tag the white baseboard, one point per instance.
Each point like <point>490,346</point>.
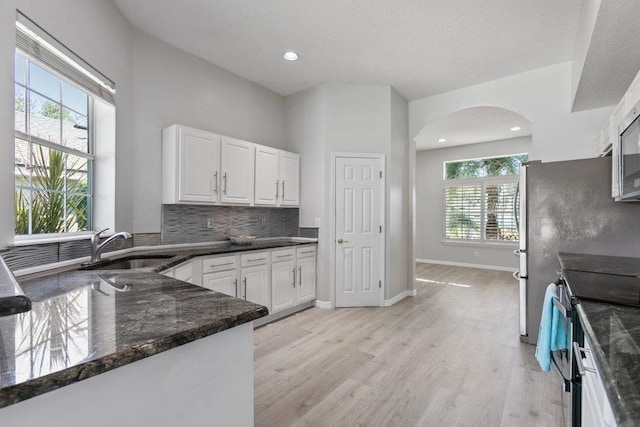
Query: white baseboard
<point>413,292</point>
<point>466,264</point>
<point>397,298</point>
<point>323,304</point>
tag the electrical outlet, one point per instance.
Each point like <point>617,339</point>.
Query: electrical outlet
<point>476,254</point>
<point>209,222</point>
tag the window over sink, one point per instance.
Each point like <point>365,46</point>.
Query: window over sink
<point>57,97</point>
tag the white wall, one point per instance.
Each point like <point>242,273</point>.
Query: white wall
<point>430,206</point>
<point>543,96</point>
<point>97,32</point>
<point>173,86</point>
<point>332,118</point>
<point>400,260</point>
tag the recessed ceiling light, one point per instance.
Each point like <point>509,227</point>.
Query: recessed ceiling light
<point>442,140</point>
<point>515,129</point>
<point>290,55</point>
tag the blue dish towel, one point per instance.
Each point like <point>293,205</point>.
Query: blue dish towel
<point>552,335</point>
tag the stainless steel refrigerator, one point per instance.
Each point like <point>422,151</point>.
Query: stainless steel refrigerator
<point>567,207</point>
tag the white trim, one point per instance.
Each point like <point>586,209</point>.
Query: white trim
<point>324,304</point>
<point>466,264</point>
<point>397,298</point>
<point>413,292</point>
<point>332,198</point>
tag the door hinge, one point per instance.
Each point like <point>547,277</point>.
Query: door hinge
<point>380,284</point>
<point>380,174</point>
<point>380,229</point>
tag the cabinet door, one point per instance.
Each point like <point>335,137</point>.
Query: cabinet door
<point>184,272</point>
<point>283,287</point>
<point>306,279</point>
<point>199,164</point>
<point>255,285</point>
<point>223,281</point>
<point>289,179</point>
<point>237,167</point>
<point>267,178</point>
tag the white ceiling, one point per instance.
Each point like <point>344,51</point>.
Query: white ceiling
<point>421,48</point>
<point>472,125</point>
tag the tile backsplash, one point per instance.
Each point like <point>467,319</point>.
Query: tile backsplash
<point>188,223</point>
<point>180,224</point>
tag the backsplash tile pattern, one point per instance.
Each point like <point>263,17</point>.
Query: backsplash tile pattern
<point>188,223</point>
<point>180,224</point>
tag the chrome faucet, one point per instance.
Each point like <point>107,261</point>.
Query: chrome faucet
<point>97,247</point>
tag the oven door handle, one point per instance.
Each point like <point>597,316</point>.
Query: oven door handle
<point>561,308</point>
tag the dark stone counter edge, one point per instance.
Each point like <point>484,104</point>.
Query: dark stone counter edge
<point>31,388</point>
<point>194,253</point>
<point>12,298</point>
<point>620,410</point>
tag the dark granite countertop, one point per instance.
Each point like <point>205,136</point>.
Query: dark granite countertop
<point>614,333</point>
<point>183,254</point>
<point>86,322</point>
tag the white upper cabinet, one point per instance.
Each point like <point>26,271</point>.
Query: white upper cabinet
<point>190,165</point>
<point>237,168</point>
<point>277,180</point>
<point>289,179</point>
<point>200,167</point>
<point>267,179</point>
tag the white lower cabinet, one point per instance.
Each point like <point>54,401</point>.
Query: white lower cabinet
<point>184,272</point>
<point>596,409</point>
<point>306,279</point>
<point>279,279</point>
<point>283,285</point>
<point>222,281</point>
<point>255,285</point>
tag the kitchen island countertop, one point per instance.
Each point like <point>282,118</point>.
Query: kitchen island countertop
<point>86,322</point>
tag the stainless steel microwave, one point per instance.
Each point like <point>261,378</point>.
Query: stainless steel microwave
<point>629,160</point>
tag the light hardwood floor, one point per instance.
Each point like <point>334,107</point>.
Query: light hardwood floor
<point>450,356</point>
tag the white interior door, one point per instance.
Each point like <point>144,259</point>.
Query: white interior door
<point>358,227</point>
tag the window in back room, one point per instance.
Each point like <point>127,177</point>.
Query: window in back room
<point>479,198</point>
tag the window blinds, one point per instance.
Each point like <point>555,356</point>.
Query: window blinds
<point>44,48</point>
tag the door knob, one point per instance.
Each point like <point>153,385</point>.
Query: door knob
<point>342,241</point>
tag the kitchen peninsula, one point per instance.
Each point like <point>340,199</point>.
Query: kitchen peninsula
<point>85,323</point>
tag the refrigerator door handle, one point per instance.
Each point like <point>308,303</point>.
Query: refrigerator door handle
<point>516,200</point>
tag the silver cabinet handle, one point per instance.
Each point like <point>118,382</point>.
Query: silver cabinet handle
<point>309,252</point>
<point>222,265</point>
<point>224,188</point>
<point>255,259</point>
<point>294,277</point>
<point>577,354</point>
<point>215,181</point>
<point>517,252</point>
<point>283,190</point>
<point>284,256</point>
<point>300,275</point>
<point>245,287</point>
<point>235,283</point>
<point>277,189</point>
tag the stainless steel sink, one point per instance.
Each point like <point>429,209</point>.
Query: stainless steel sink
<point>131,263</point>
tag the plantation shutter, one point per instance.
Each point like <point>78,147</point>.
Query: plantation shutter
<point>499,220</point>
<point>44,48</point>
<point>463,212</point>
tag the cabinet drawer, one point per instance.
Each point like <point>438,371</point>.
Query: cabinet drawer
<point>213,264</point>
<point>255,258</point>
<point>306,251</point>
<point>282,255</point>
